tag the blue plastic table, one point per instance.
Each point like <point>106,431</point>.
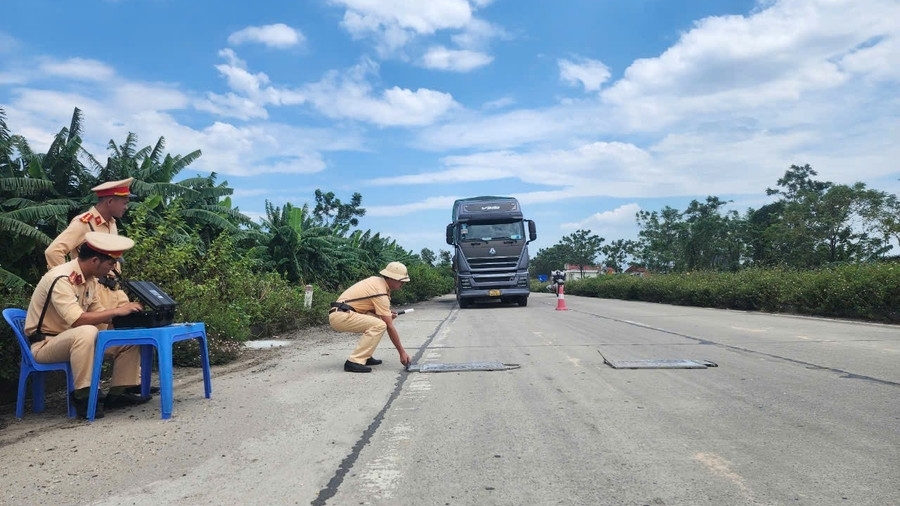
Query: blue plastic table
<point>162,338</point>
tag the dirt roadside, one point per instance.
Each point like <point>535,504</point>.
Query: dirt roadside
<point>53,417</point>
<point>279,424</point>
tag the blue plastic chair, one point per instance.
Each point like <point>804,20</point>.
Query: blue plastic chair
<point>29,367</point>
<point>161,338</point>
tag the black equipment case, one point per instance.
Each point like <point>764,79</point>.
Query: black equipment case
<point>159,308</point>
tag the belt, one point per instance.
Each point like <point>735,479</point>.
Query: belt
<point>38,337</point>
<point>341,306</point>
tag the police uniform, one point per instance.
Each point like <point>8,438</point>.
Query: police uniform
<point>73,294</point>
<point>370,299</point>
<point>67,243</point>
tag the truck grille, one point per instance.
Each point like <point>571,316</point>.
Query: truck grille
<point>492,269</point>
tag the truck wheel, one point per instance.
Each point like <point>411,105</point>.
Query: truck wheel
<point>523,301</point>
<point>464,303</point>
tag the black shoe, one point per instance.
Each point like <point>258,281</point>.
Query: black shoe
<point>354,367</point>
<point>120,400</point>
<point>81,407</point>
<point>136,390</point>
<point>373,361</point>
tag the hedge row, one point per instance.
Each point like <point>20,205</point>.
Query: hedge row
<point>856,291</point>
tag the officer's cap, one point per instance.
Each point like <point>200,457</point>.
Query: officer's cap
<point>112,245</point>
<point>114,188</point>
<point>396,270</point>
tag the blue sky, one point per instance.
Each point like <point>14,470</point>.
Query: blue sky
<point>586,110</point>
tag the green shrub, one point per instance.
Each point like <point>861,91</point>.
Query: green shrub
<point>861,291</point>
<point>425,282</point>
<point>10,355</point>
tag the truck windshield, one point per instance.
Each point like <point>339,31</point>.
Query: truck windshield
<point>491,231</point>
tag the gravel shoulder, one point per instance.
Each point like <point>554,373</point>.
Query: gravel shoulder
<point>279,424</point>
<point>132,456</point>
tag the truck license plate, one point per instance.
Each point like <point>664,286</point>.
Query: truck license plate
<point>494,293</point>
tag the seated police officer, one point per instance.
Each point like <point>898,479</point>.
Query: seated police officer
<point>63,316</point>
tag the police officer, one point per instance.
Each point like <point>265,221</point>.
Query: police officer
<point>112,200</point>
<point>63,315</point>
<point>366,307</point>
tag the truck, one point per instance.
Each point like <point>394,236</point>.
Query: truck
<point>490,260</point>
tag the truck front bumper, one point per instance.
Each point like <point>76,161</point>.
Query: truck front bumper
<point>493,293</point>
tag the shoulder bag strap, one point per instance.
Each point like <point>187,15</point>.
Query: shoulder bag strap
<point>47,303</point>
<point>363,298</point>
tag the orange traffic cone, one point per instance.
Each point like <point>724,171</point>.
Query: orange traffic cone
<point>561,298</point>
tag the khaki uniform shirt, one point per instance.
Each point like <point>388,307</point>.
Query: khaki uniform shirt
<point>72,237</point>
<point>380,305</point>
<point>67,243</point>
<point>72,296</point>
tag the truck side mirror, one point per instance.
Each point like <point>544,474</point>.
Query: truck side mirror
<point>532,231</point>
<point>450,234</point>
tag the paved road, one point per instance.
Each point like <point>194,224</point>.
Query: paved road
<point>799,411</point>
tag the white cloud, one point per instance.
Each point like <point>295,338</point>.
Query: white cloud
<point>251,93</point>
<point>599,168</point>
<point>425,18</point>
<point>509,129</point>
<point>877,60</point>
<point>428,204</point>
<point>78,68</point>
<point>394,24</point>
<point>239,79</point>
<point>116,108</point>
<point>232,105</point>
<point>725,110</point>
<point>773,58</point>
<point>620,217</point>
<point>265,148</point>
<point>591,74</point>
<point>278,36</point>
<point>457,60</point>
<point>349,95</point>
<point>150,96</point>
<point>8,43</point>
<point>500,103</point>
<point>477,34</point>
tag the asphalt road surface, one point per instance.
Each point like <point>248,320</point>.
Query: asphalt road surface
<point>798,411</point>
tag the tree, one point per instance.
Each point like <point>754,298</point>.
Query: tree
<point>796,182</point>
<point>711,241</point>
<point>616,252</point>
<point>446,258</point>
<point>883,212</point>
<point>659,245</point>
<point>820,222</point>
<point>286,228</point>
<point>427,256</point>
<point>550,259</point>
<point>332,213</point>
<point>762,248</point>
<point>61,163</point>
<point>31,210</point>
<point>583,247</point>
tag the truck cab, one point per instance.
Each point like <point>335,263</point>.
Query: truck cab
<point>490,260</point>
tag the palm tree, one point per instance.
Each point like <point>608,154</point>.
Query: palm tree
<point>204,204</point>
<point>61,163</point>
<point>285,228</point>
<point>27,217</point>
